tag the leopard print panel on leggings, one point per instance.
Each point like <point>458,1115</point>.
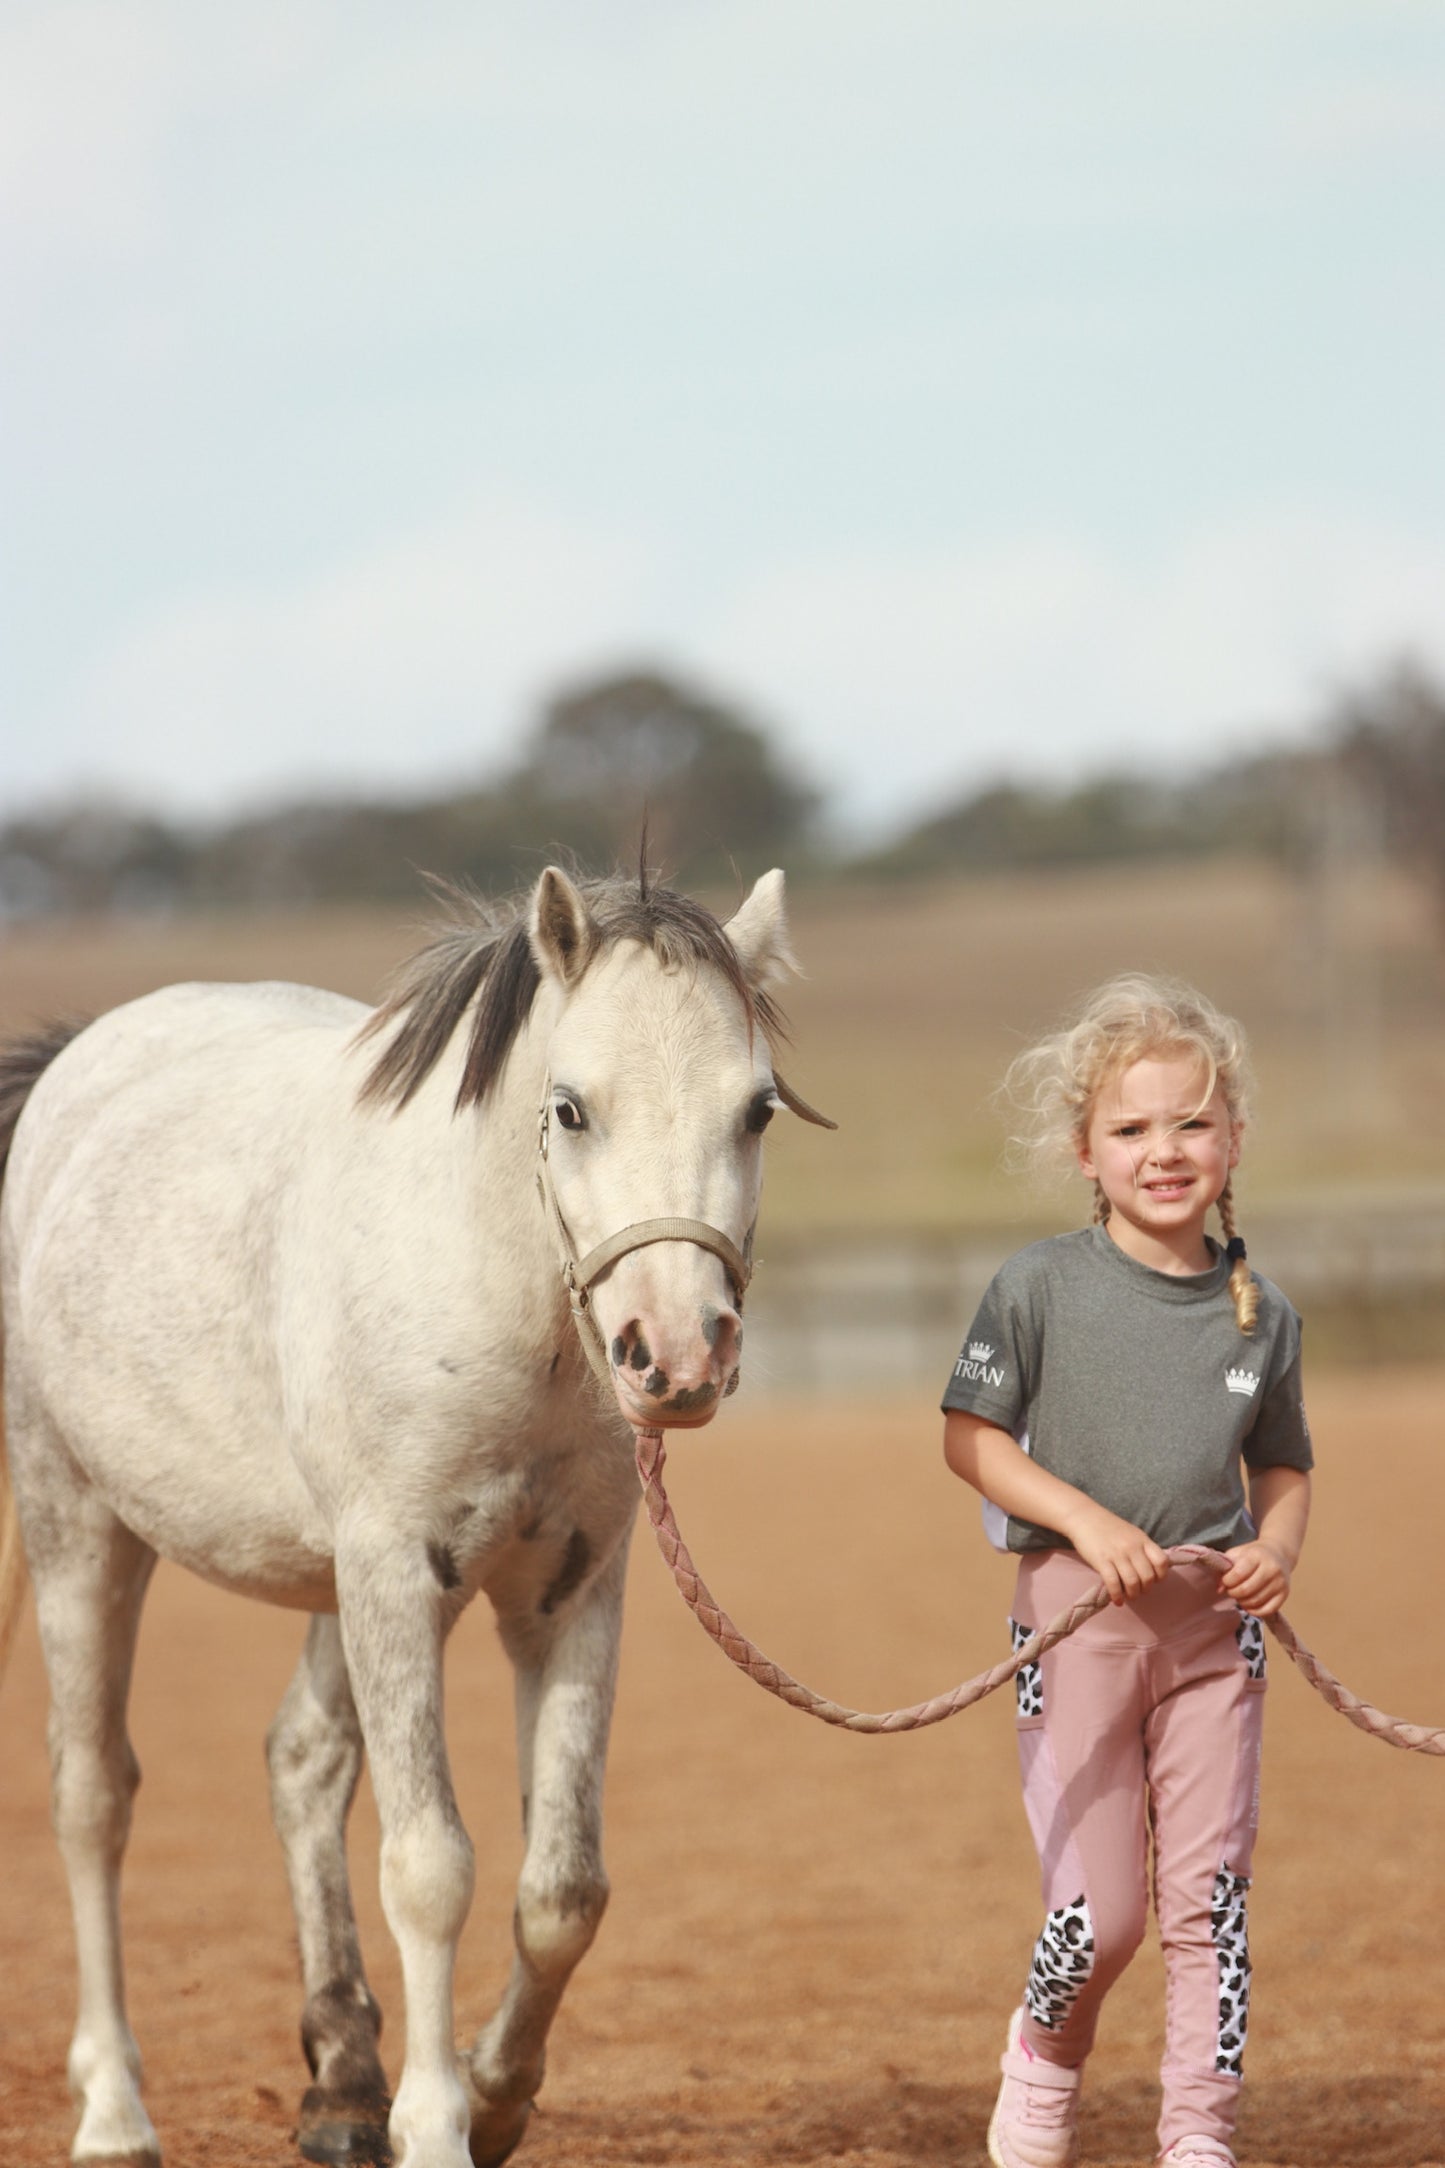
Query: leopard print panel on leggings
<point>1062,1962</point>
<point>1229,1923</point>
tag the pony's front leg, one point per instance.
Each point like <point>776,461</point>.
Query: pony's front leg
<point>394,1619</point>
<point>566,1679</point>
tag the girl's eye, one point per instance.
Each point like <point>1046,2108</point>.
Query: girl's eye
<point>568,1113</point>
<point>761,1112</point>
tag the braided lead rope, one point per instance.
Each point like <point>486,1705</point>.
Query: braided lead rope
<point>735,1645</point>
<point>1393,1730</point>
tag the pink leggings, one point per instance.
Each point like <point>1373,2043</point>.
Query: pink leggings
<point>1147,1720</point>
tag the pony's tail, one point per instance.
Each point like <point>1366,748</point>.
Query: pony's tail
<point>12,1560</point>
<point>22,1063</point>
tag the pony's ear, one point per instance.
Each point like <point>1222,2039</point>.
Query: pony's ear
<point>560,927</point>
<point>758,930</point>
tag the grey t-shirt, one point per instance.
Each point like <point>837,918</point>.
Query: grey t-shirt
<point>1135,1386</point>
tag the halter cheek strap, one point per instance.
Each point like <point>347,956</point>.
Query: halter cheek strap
<point>579,1273</point>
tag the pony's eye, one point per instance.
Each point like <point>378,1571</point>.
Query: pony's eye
<point>569,1114</point>
<point>761,1112</point>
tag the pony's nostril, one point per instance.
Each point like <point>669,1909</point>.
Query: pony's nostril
<point>723,1332</point>
<point>630,1350</point>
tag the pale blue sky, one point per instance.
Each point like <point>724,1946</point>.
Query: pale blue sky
<point>965,388</point>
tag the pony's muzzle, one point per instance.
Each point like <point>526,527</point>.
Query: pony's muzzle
<point>676,1380</point>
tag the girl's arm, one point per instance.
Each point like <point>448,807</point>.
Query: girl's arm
<point>1279,1501</point>
<point>1126,1560</point>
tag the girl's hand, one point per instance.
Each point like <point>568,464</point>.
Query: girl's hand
<point>1125,1559</point>
<point>1258,1580</point>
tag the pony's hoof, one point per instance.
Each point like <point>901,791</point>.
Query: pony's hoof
<point>345,2145</point>
<point>497,2131</point>
<point>147,2157</point>
<point>344,2133</point>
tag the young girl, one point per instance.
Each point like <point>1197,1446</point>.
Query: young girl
<point>1106,1392</point>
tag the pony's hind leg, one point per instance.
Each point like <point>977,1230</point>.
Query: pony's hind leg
<point>314,1752</point>
<point>90,1576</point>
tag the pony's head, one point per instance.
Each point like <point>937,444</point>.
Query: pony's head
<point>660,1084</point>
<point>655,1027</point>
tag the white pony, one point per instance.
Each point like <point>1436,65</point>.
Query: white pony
<point>281,1303</point>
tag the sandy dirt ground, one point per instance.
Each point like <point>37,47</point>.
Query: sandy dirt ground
<point>814,1939</point>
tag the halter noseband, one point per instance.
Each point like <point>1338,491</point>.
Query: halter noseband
<point>579,1273</point>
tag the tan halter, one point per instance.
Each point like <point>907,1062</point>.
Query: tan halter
<point>579,1273</point>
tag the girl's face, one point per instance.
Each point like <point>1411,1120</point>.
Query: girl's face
<point>1162,1154</point>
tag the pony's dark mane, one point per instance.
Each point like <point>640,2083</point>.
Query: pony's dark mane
<point>481,960</point>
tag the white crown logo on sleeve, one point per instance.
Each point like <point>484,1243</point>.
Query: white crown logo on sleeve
<point>1241,1381</point>
<point>979,1351</point>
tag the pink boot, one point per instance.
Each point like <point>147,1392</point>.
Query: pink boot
<point>1198,2152</point>
<point>1034,2115</point>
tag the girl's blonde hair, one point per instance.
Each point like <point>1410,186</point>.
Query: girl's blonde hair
<point>1052,1087</point>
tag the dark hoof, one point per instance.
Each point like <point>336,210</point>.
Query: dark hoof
<point>346,2145</point>
<point>344,2134</point>
<point>497,2132</point>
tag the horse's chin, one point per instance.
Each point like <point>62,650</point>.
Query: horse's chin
<point>645,1414</point>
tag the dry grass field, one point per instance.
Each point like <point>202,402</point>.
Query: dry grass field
<point>814,1939</point>
<point>915,999</point>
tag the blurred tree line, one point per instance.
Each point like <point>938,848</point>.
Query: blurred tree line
<point>708,781</point>
<point>716,794</point>
<point>1380,752</point>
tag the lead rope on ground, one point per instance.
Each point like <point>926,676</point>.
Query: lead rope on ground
<point>651,1457</point>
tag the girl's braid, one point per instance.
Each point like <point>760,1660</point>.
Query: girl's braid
<point>1242,1283</point>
